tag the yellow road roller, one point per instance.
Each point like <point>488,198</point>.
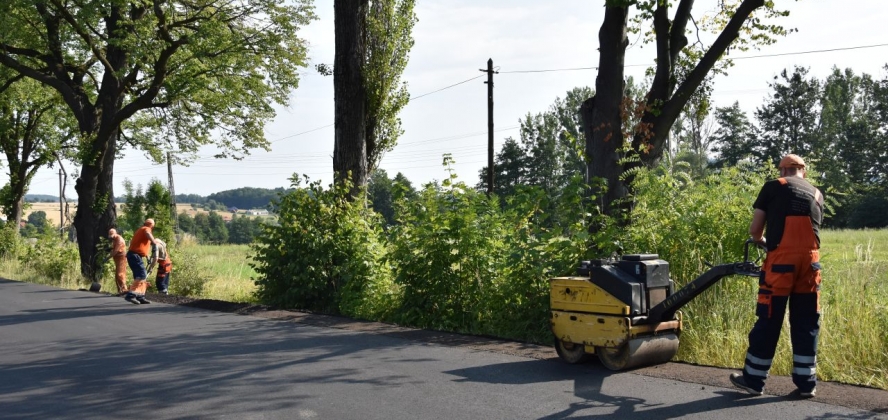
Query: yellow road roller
<point>625,309</point>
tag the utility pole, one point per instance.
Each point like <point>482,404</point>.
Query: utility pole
<point>173,215</point>
<point>61,206</point>
<point>489,82</point>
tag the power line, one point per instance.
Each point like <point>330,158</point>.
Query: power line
<point>411,99</point>
<point>299,134</point>
<point>811,51</point>
<point>731,58</point>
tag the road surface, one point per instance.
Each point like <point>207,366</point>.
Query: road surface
<point>77,355</point>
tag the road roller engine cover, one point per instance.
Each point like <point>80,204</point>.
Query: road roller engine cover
<point>625,309</point>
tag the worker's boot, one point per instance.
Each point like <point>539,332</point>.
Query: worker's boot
<point>738,381</point>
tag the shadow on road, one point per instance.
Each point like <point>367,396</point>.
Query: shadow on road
<point>590,386</point>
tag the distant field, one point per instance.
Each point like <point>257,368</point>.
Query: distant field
<point>52,211</point>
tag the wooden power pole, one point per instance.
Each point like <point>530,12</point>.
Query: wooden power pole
<point>173,215</point>
<point>61,206</point>
<point>490,169</point>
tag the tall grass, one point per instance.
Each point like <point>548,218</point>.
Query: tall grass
<point>854,303</point>
<point>228,267</point>
<point>206,271</point>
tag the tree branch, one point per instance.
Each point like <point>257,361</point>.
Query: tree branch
<point>60,86</point>
<point>97,53</point>
<point>660,86</point>
<point>678,40</point>
<point>672,108</point>
<point>10,82</point>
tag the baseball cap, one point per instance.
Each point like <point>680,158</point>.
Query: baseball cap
<point>792,161</point>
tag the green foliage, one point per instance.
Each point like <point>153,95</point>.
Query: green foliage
<point>245,198</point>
<point>688,223</point>
<point>870,211</point>
<point>33,129</point>
<point>52,258</point>
<point>38,219</point>
<point>10,241</point>
<point>217,231</point>
<point>465,263</point>
<point>153,203</point>
<point>389,39</point>
<point>734,137</point>
<point>550,151</point>
<point>243,230</point>
<point>324,255</point>
<point>379,192</point>
<point>788,121</point>
<point>188,278</point>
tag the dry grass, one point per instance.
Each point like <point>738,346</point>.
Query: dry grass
<point>53,214</point>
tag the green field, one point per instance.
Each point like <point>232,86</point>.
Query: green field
<point>854,302</point>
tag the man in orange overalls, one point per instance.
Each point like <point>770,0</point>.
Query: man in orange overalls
<point>788,211</point>
<point>164,266</point>
<point>139,248</point>
<point>118,253</point>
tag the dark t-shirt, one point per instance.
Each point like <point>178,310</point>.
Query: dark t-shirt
<point>797,197</point>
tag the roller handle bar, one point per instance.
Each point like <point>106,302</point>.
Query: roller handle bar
<point>666,309</point>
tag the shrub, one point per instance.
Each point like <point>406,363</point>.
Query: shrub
<point>467,264</point>
<point>187,278</point>
<point>10,242</point>
<point>53,258</point>
<point>325,254</point>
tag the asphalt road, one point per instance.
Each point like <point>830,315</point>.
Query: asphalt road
<point>79,355</point>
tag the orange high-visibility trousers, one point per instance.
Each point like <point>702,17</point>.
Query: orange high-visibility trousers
<point>790,277</point>
<point>120,273</point>
<point>139,287</point>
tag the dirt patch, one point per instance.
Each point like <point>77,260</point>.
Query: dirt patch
<point>833,393</point>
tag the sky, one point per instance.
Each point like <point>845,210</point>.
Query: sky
<point>453,41</point>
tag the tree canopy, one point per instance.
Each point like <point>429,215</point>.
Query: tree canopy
<point>154,75</point>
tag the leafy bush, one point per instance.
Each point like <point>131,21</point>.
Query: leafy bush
<point>53,258</point>
<point>466,264</point>
<point>10,242</point>
<point>187,278</point>
<point>324,255</point>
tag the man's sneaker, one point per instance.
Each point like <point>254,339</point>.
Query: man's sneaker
<point>808,394</point>
<point>142,300</point>
<point>131,298</point>
<point>738,381</point>
<point>164,292</point>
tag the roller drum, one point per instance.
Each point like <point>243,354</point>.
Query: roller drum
<point>640,352</point>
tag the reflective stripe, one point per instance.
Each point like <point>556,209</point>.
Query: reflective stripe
<point>804,359</point>
<point>756,372</point>
<point>804,371</point>
<point>758,361</point>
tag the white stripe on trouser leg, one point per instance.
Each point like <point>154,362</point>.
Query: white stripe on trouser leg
<point>810,360</point>
<point>756,372</point>
<point>758,361</point>
<point>803,371</point>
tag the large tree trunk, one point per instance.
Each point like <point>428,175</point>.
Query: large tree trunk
<point>602,118</point>
<point>16,210</point>
<point>96,212</point>
<point>349,92</point>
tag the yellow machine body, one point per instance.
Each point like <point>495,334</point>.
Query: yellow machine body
<point>590,320</point>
